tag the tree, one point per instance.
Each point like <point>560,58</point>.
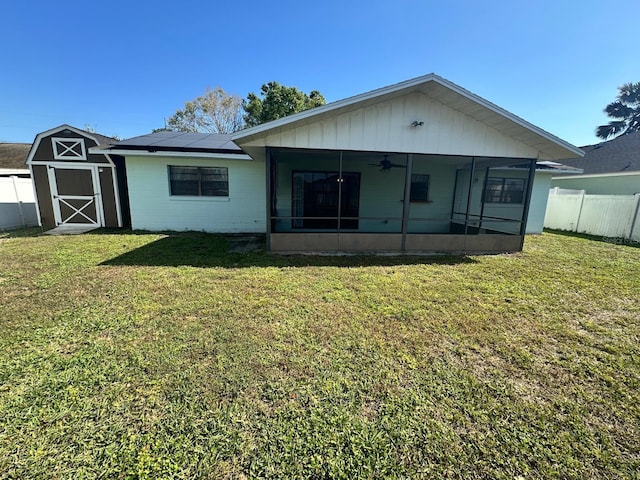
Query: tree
<point>626,111</point>
<point>214,112</point>
<point>278,101</point>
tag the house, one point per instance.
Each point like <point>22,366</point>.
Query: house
<point>74,186</point>
<point>17,203</point>
<point>419,166</point>
<point>609,168</point>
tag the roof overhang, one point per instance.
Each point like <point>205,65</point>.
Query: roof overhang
<point>442,90</point>
<point>164,153</point>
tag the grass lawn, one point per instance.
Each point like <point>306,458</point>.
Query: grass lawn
<point>154,356</point>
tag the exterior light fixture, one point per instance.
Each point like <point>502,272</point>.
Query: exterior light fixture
<point>416,123</point>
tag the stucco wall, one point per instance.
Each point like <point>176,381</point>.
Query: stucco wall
<point>153,208</point>
<point>601,185</point>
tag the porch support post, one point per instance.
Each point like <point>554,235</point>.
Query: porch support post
<point>471,175</point>
<point>268,176</point>
<point>340,180</point>
<point>406,201</point>
<point>484,189</point>
<point>525,210</point>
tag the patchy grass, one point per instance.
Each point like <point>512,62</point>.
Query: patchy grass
<point>155,356</point>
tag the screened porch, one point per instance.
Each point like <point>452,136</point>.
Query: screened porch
<point>346,201</point>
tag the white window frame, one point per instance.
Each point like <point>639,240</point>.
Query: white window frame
<point>62,153</point>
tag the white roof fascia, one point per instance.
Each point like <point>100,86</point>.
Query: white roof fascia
<point>432,77</point>
<point>145,153</point>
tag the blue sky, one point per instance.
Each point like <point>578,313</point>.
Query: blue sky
<point>122,67</point>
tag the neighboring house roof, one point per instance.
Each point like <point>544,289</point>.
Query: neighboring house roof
<point>442,90</point>
<point>13,155</point>
<point>175,143</point>
<point>620,155</point>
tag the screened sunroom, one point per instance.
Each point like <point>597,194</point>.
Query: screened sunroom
<point>352,201</point>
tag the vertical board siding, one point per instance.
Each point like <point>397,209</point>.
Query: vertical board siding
<point>386,126</point>
<point>605,215</point>
<point>17,203</point>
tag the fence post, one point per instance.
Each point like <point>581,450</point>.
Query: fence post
<point>634,220</point>
<point>19,202</point>
<point>582,193</point>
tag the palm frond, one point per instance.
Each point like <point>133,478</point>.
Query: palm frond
<point>611,129</point>
<point>618,110</point>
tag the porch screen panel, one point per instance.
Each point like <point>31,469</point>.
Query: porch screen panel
<point>322,195</point>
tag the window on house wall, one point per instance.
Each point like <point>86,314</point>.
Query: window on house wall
<point>419,188</point>
<point>199,181</point>
<point>504,190</point>
<point>68,148</point>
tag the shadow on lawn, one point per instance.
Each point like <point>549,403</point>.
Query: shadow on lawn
<point>596,238</point>
<point>206,250</point>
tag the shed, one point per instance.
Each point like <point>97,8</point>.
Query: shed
<point>74,186</point>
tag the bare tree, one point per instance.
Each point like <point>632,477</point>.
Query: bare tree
<point>214,112</point>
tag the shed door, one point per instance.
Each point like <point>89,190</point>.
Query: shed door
<point>76,195</point>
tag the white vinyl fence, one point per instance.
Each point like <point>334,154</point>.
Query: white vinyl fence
<point>17,203</point>
<point>610,216</point>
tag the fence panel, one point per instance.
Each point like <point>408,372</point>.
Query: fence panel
<point>17,203</point>
<point>563,212</point>
<point>607,215</point>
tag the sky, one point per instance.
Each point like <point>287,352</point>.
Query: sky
<point>123,67</point>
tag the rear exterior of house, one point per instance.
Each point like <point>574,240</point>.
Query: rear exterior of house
<point>74,186</point>
<point>423,166</point>
<point>419,167</point>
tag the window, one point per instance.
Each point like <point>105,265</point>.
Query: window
<point>199,181</point>
<point>68,148</point>
<point>419,188</point>
<point>504,190</point>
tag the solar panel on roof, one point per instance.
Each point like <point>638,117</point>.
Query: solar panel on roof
<point>182,140</point>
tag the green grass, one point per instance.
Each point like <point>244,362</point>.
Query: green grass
<point>155,356</point>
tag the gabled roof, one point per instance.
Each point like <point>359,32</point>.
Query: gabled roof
<point>445,92</point>
<point>620,155</point>
<point>96,137</point>
<point>13,155</point>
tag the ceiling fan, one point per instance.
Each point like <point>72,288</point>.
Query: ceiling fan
<point>386,164</point>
